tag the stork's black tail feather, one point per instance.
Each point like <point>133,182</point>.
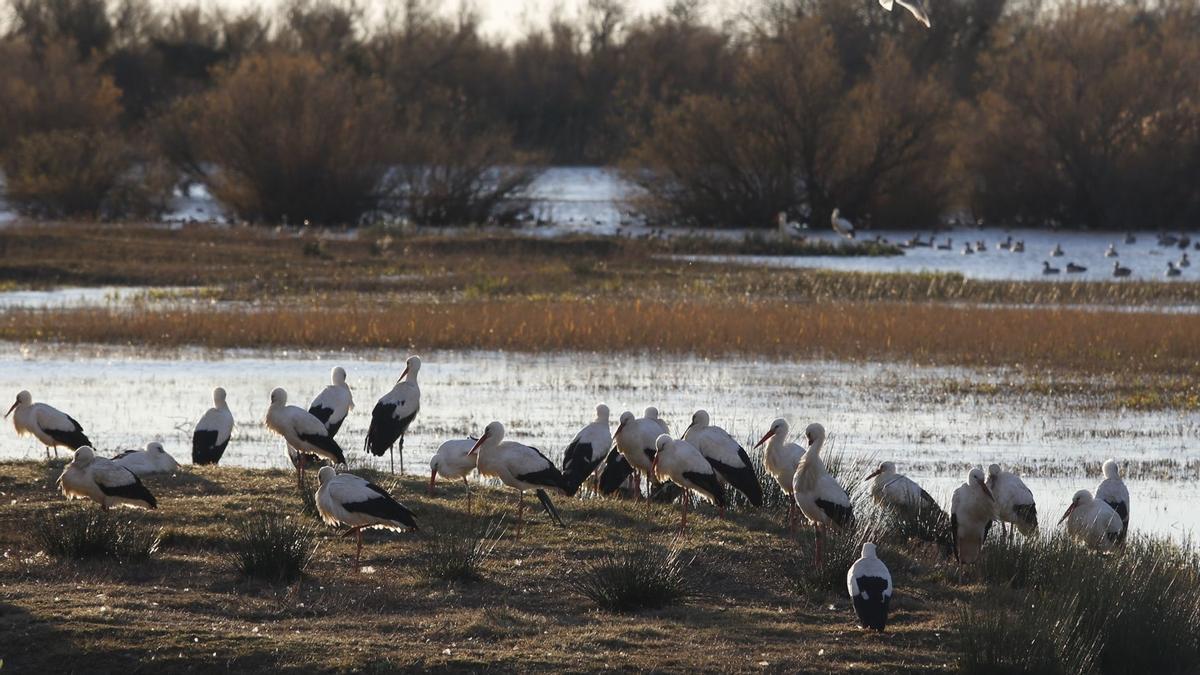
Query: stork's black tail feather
<point>616,470</point>
<point>549,506</point>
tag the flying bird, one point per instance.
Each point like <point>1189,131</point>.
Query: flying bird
<point>914,7</point>
<point>394,413</point>
<point>346,499</point>
<point>104,482</point>
<point>212,432</point>
<point>870,586</point>
<point>47,424</point>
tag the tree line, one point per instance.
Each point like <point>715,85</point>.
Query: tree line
<point>1075,114</point>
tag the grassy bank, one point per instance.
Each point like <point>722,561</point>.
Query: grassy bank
<point>1089,341</point>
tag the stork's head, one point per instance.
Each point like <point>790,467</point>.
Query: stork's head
<point>660,444</point>
<point>326,474</point>
<point>651,413</point>
<point>23,398</point>
<point>993,471</point>
<point>975,477</point>
<point>493,433</point>
<point>84,455</point>
<point>1081,498</point>
<point>815,434</point>
<point>338,375</point>
<point>1112,470</point>
<point>778,428</point>
<point>699,421</point>
<point>885,469</point>
<point>155,447</point>
<point>602,413</point>
<point>868,550</point>
<point>219,396</point>
<point>278,396</point>
<point>626,418</point>
<point>411,367</point>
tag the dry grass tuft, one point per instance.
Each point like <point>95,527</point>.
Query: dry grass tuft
<point>84,533</point>
<point>271,547</point>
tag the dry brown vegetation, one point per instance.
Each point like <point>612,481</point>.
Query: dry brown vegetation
<point>186,604</point>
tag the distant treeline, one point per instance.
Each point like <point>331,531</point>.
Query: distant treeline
<point>1076,114</point>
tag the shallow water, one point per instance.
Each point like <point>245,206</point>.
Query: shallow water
<point>125,398</point>
<point>71,297</point>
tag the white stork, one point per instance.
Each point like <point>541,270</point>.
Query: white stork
<point>394,413</point>
<point>780,460</point>
<point>900,493</point>
<point>726,455</point>
<point>971,511</point>
<point>212,431</point>
<point>47,424</point>
<point>841,225</point>
<point>334,402</point>
<point>1092,522</point>
<point>154,459</point>
<point>301,431</point>
<point>682,463</point>
<point>520,467</point>
<point>914,7</point>
<point>870,586</point>
<point>586,451</point>
<point>1014,501</point>
<point>346,499</point>
<point>100,480</point>
<point>453,460</point>
<point>819,497</point>
<point>651,413</point>
<point>634,441</point>
<point>1112,491</point>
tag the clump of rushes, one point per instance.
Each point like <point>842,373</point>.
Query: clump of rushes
<point>637,577</point>
<point>271,547</point>
<point>458,554</point>
<point>82,533</point>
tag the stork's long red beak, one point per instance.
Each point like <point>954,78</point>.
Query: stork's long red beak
<point>1070,510</point>
<point>478,443</point>
<point>876,472</point>
<point>618,431</point>
<point>14,407</point>
<point>762,440</point>
<point>986,491</point>
<point>403,374</point>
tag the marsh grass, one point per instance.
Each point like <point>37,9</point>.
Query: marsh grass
<point>271,547</point>
<point>1030,638</point>
<point>457,554</point>
<point>630,578</point>
<point>82,534</point>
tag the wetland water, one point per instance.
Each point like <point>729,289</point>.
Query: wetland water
<point>916,416</point>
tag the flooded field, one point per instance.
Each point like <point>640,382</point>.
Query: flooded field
<point>917,417</point>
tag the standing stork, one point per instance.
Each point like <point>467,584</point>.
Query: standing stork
<point>635,441</point>
<point>1112,491</point>
<point>972,509</point>
<point>1014,501</point>
<point>781,459</point>
<point>651,413</point>
<point>681,463</point>
<point>726,455</point>
<point>100,480</point>
<point>453,460</point>
<point>154,459</point>
<point>822,501</point>
<point>346,499</point>
<point>900,493</point>
<point>49,425</point>
<point>870,586</point>
<point>394,413</point>
<point>586,451</point>
<point>301,431</point>
<point>334,402</point>
<point>212,431</point>
<point>841,225</point>
<point>520,467</point>
<point>1092,522</point>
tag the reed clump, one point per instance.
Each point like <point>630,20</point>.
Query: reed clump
<point>85,533</point>
<point>637,577</point>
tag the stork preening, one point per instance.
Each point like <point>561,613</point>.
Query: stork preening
<point>1112,491</point>
<point>586,451</point>
<point>453,460</point>
<point>154,459</point>
<point>394,413</point>
<point>780,460</point>
<point>346,499</point>
<point>901,495</point>
<point>212,432</point>
<point>1014,501</point>
<point>972,509</point>
<point>49,425</point>
<point>841,225</point>
<point>334,402</point>
<point>870,586</point>
<point>303,432</point>
<point>914,7</point>
<point>683,464</point>
<point>819,497</point>
<point>1092,522</point>
<point>520,467</point>
<point>725,455</point>
<point>104,482</point>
